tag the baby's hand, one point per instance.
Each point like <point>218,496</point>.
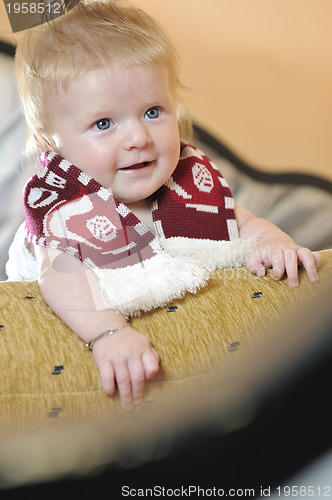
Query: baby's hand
<point>275,249</point>
<point>128,358</point>
<point>282,255</point>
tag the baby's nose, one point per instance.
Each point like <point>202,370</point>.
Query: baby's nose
<point>136,136</point>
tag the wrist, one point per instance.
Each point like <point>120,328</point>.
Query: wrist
<point>102,335</point>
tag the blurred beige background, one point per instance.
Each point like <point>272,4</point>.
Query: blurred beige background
<point>259,75</point>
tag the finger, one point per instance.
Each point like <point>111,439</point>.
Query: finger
<point>123,380</point>
<point>278,264</point>
<point>156,355</point>
<point>255,264</point>
<point>151,362</point>
<point>310,262</point>
<point>107,378</point>
<point>137,377</point>
<point>318,259</point>
<point>291,265</point>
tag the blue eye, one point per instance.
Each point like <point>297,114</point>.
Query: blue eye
<point>102,124</point>
<point>152,113</point>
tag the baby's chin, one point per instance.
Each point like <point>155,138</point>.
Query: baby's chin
<point>136,202</point>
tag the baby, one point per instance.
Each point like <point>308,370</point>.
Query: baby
<point>125,215</point>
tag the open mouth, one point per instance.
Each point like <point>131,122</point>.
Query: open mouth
<point>137,166</point>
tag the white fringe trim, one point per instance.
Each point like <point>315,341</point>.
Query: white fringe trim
<point>184,267</point>
<point>213,254</point>
<point>150,284</point>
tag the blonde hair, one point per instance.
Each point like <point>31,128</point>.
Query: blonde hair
<point>89,36</point>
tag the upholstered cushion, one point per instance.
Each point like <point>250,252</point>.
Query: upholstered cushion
<point>51,376</point>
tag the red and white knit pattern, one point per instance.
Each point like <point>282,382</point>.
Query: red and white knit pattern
<point>196,202</point>
<point>67,209</point>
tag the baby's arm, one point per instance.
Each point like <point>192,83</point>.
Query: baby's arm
<point>275,249</point>
<point>72,292</point>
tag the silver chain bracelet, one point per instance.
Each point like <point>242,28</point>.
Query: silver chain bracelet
<point>104,334</point>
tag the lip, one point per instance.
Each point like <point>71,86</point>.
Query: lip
<point>137,167</point>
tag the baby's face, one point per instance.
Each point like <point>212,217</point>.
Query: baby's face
<point>120,127</point>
